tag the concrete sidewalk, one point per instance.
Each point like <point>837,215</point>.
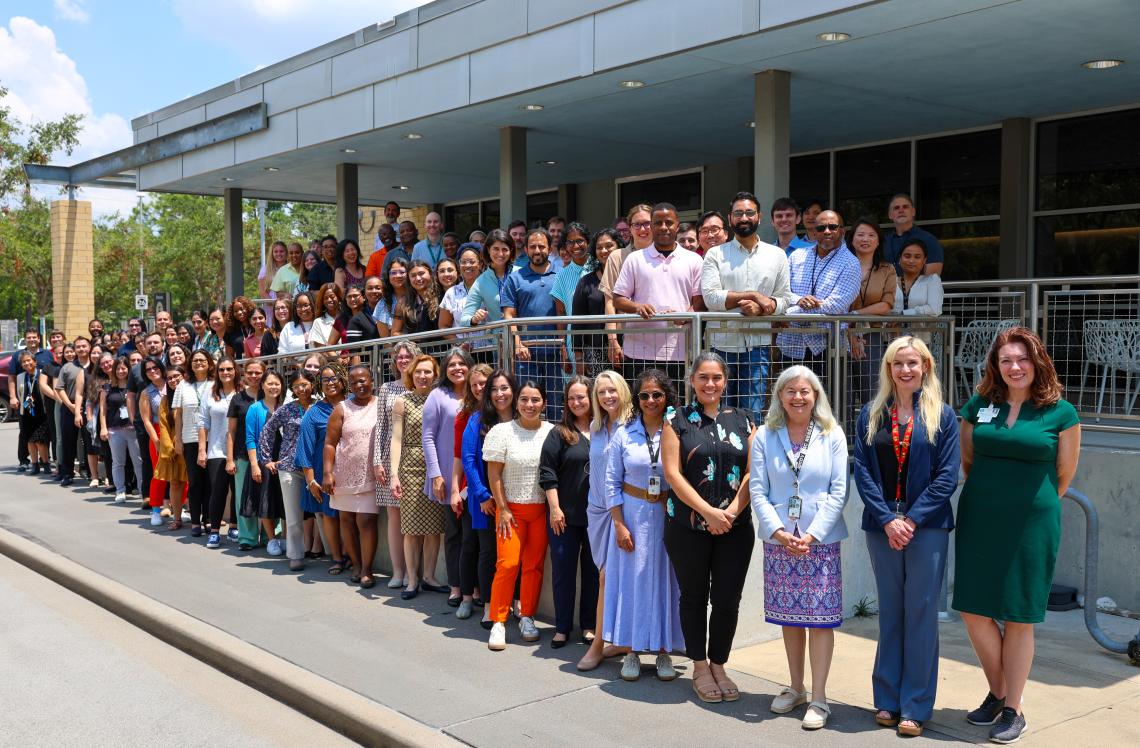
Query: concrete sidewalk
<point>418,659</point>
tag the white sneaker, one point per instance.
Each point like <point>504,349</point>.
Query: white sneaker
<point>631,667</point>
<point>788,700</point>
<point>120,498</point>
<point>527,629</point>
<point>816,717</point>
<point>185,515</point>
<point>156,517</point>
<point>498,639</point>
<point>273,547</point>
<point>665,669</point>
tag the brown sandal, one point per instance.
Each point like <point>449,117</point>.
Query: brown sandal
<point>707,689</point>
<point>174,524</point>
<point>910,727</point>
<point>885,718</point>
<point>728,689</point>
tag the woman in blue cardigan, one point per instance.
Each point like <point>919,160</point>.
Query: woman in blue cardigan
<point>906,468</point>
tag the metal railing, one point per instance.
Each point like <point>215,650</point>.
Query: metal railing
<point>1092,569</point>
<point>671,342</point>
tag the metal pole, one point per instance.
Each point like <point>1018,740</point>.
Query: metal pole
<point>142,250</point>
<point>262,206</point>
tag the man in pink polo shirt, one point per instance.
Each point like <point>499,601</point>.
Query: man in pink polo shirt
<point>659,279</point>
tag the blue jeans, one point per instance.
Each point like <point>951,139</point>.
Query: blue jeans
<point>747,380</point>
<point>545,368</point>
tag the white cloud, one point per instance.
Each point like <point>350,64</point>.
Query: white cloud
<point>44,84</point>
<point>72,10</point>
<point>282,28</point>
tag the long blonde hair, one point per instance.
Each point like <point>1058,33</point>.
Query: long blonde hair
<point>929,397</point>
<point>625,400</point>
<point>820,412</point>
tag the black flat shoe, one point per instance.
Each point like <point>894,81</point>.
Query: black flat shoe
<point>435,588</point>
<point>409,594</point>
<point>453,602</point>
<point>559,643</point>
<point>35,470</point>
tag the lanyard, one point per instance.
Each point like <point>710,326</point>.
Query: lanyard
<point>653,456</point>
<point>906,291</point>
<point>902,451</point>
<point>797,464</point>
<point>814,261</point>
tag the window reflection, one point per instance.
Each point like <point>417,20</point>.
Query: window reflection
<point>958,176</point>
<point>1088,244</point>
<point>866,178</point>
<point>1088,161</point>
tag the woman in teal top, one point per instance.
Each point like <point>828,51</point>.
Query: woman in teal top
<point>1020,444</point>
<point>482,304</point>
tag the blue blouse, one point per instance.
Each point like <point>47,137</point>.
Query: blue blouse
<point>475,469</point>
<point>311,441</point>
<point>628,462</point>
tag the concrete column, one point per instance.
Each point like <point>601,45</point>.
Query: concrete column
<point>512,174</point>
<point>568,201</point>
<point>347,199</point>
<point>235,251</point>
<point>1014,260</point>
<point>72,266</point>
<point>772,140</point>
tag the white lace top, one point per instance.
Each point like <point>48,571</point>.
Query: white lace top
<point>519,450</point>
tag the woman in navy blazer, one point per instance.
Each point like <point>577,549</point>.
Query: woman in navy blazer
<point>906,468</point>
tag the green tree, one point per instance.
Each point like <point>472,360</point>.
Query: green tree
<point>25,253</point>
<point>32,144</point>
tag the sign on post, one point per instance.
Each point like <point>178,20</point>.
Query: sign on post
<point>141,302</point>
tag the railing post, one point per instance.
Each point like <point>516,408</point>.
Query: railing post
<point>835,370</point>
<point>1034,308</point>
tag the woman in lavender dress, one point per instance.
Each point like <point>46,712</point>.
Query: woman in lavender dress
<point>641,607</point>
<point>439,449</point>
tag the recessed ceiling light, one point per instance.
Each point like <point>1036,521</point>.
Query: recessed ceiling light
<point>228,179</point>
<point>631,84</point>
<point>401,187</point>
<point>532,107</point>
<point>547,163</point>
<point>833,36</point>
<point>413,136</point>
<point>1102,64</point>
<point>272,168</point>
<point>348,150</point>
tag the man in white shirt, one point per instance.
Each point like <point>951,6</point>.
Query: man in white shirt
<point>751,276</point>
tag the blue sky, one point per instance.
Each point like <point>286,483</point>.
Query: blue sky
<point>112,60</point>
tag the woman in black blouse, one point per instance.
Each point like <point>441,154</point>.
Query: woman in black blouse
<point>590,350</point>
<point>564,473</point>
<point>709,534</point>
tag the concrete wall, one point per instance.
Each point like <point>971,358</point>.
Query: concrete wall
<point>596,203</point>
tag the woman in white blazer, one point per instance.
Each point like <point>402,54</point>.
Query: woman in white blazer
<point>798,483</point>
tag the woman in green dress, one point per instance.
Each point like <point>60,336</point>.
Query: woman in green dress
<point>1020,444</point>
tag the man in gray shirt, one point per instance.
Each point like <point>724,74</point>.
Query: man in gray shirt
<point>69,395</point>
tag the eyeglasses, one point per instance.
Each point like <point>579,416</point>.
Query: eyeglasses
<point>149,369</point>
<point>329,380</point>
<point>328,246</point>
<point>710,230</point>
<point>646,396</point>
<point>641,225</point>
<point>744,214</point>
<point>825,227</point>
<point>576,242</point>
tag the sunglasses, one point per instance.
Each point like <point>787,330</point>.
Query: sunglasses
<point>822,227</point>
<point>646,396</point>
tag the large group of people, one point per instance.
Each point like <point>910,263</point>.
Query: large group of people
<point>648,506</point>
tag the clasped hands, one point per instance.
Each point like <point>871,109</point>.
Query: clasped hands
<point>796,546</point>
<point>899,532</point>
<point>756,304</point>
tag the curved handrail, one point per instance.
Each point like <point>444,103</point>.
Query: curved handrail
<point>1092,568</point>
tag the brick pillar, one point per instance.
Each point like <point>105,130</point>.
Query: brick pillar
<point>72,266</point>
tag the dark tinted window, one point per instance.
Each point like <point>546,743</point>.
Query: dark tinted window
<point>1087,161</point>
<point>958,176</point>
<point>491,217</point>
<point>682,190</point>
<point>810,178</point>
<point>971,249</point>
<point>541,206</point>
<point>1088,244</point>
<point>866,178</point>
<point>461,219</point>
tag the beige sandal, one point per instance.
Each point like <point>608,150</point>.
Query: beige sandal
<point>728,689</point>
<point>707,689</point>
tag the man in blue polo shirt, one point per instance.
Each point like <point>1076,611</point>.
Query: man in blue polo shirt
<point>901,212</point>
<point>527,292</point>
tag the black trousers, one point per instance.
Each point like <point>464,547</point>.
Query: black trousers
<point>486,554</point>
<point>467,563</point>
<point>144,456</point>
<point>221,485</point>
<point>69,438</point>
<point>49,411</point>
<point>709,567</point>
<point>569,554</point>
<point>453,531</point>
<point>197,484</point>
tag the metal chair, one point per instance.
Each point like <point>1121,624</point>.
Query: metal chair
<point>1113,345</point>
<point>973,346</point>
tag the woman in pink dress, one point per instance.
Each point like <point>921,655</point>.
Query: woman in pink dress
<point>348,475</point>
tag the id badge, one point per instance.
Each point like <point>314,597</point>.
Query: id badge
<point>654,486</point>
<point>123,412</point>
<point>985,415</point>
<point>795,508</point>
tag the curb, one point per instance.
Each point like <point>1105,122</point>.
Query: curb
<point>322,700</point>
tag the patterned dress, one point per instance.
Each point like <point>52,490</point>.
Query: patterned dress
<point>382,455</point>
<point>419,515</point>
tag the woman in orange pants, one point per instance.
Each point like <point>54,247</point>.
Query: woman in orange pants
<point>512,451</point>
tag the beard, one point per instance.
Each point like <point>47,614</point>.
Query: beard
<point>744,229</point>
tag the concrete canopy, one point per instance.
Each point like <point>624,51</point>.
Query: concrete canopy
<point>456,71</point>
